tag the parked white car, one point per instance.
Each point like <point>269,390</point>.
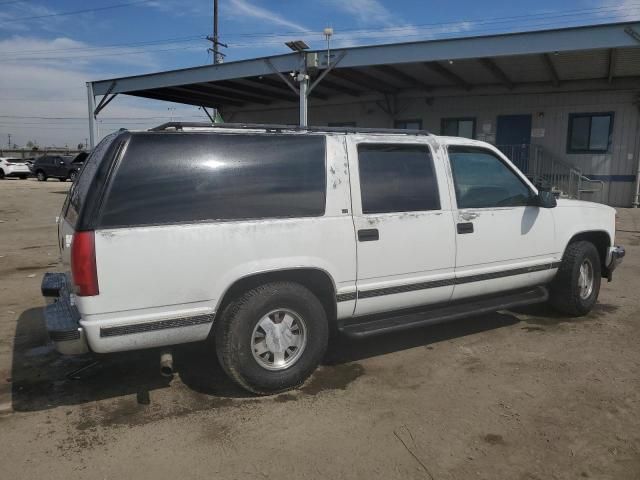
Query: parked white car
<point>13,167</point>
<point>267,238</point>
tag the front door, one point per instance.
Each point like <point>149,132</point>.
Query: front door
<point>513,137</point>
<point>503,243</point>
<point>404,227</point>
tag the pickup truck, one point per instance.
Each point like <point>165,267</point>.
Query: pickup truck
<point>265,239</point>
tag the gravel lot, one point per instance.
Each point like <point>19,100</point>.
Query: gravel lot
<point>513,395</point>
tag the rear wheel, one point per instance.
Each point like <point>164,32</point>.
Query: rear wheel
<point>41,176</point>
<point>1,174</point>
<point>272,337</point>
<point>62,179</point>
<point>575,289</point>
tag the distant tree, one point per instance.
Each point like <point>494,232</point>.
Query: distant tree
<point>30,144</point>
<point>81,146</point>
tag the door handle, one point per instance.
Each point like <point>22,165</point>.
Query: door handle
<point>465,228</point>
<point>467,216</point>
<point>368,235</point>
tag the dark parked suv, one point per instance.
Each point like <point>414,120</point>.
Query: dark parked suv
<point>58,166</point>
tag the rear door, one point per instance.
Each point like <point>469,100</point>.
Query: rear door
<point>503,242</point>
<point>403,222</point>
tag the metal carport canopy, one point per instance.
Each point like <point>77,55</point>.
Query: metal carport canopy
<point>421,65</point>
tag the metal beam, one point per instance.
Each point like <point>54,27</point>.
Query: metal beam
<point>185,91</point>
<point>613,54</point>
<point>632,33</point>
<point>363,80</point>
<point>551,68</point>
<point>562,40</point>
<point>204,109</point>
<point>281,76</point>
<point>105,101</point>
<point>205,89</point>
<point>497,72</point>
<point>328,84</point>
<point>405,77</point>
<point>325,72</point>
<point>448,74</point>
<point>241,86</point>
<point>170,96</point>
<point>91,101</point>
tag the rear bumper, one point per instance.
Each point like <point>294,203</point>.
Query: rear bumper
<point>616,254</point>
<point>62,317</point>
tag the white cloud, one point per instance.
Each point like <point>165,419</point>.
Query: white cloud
<point>244,8</point>
<point>365,12</point>
<point>55,88</point>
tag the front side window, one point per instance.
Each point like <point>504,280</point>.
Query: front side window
<point>408,124</point>
<point>458,127</point>
<point>397,178</point>
<point>589,132</point>
<point>482,180</point>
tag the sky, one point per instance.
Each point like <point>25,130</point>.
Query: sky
<point>50,49</point>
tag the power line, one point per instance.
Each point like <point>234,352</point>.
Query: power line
<point>78,12</point>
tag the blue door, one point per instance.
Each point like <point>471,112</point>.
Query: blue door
<point>513,137</point>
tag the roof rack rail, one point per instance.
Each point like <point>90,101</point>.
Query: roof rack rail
<point>280,128</point>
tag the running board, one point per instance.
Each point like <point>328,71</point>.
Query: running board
<point>360,327</point>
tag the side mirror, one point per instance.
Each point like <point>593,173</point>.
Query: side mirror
<point>545,199</point>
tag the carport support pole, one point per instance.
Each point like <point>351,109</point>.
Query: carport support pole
<point>303,79</point>
<point>92,120</point>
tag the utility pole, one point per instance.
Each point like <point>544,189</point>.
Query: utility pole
<point>218,56</point>
<point>9,141</point>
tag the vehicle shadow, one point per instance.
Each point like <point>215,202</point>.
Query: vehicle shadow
<point>42,379</point>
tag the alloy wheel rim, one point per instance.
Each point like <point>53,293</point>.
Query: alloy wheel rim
<point>278,339</point>
<point>585,279</point>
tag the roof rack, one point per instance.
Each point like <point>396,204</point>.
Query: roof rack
<point>283,128</point>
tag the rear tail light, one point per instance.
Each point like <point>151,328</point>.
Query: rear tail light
<point>83,264</point>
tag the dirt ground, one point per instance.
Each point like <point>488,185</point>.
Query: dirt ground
<point>511,395</point>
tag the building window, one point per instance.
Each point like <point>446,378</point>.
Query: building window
<point>341,124</point>
<point>589,132</point>
<point>408,124</point>
<point>397,178</point>
<point>459,127</point>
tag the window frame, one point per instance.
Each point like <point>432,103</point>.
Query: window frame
<point>342,124</point>
<point>589,115</point>
<point>458,120</point>
<point>515,171</point>
<point>411,120</point>
<point>430,159</point>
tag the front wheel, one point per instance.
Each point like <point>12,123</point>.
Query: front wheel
<point>41,176</point>
<point>272,337</point>
<point>575,289</point>
<point>73,176</point>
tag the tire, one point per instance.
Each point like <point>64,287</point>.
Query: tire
<point>568,293</point>
<point>2,176</point>
<point>23,177</point>
<point>73,176</point>
<point>240,324</point>
<point>62,179</point>
<point>41,176</point>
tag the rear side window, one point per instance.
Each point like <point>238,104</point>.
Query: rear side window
<point>483,180</point>
<point>397,178</point>
<point>181,178</point>
<point>80,189</point>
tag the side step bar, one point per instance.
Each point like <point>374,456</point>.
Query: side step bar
<point>360,327</point>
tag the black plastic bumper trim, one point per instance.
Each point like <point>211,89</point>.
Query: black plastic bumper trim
<point>445,282</point>
<point>154,326</point>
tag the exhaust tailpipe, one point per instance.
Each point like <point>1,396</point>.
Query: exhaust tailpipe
<point>166,364</point>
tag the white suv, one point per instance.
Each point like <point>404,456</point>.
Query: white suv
<point>267,238</point>
<point>13,167</point>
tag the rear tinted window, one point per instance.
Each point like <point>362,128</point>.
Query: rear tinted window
<point>80,188</point>
<point>397,178</point>
<point>175,178</point>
